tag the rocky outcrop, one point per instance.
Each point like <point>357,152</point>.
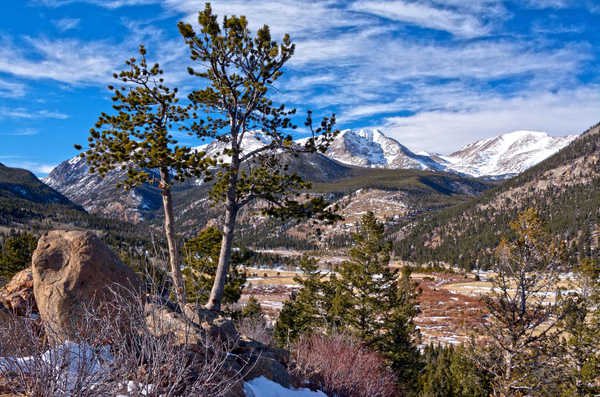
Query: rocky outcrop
<point>249,357</point>
<point>74,271</point>
<point>17,295</point>
<point>263,360</point>
<point>217,326</point>
<point>163,321</point>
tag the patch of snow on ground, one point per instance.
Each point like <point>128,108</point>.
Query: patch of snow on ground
<point>263,387</point>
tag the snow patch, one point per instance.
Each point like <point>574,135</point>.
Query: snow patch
<point>263,387</point>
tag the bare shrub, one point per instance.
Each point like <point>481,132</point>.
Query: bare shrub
<point>32,366</point>
<point>114,353</point>
<point>339,365</point>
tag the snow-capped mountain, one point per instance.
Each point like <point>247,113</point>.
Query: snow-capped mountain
<point>499,157</point>
<point>101,196</point>
<point>252,140</point>
<point>369,147</point>
<point>505,155</point>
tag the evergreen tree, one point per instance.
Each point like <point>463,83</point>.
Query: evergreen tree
<point>523,326</point>
<point>450,372</point>
<point>252,310</point>
<point>16,253</point>
<point>138,139</point>
<point>400,342</point>
<point>201,256</point>
<point>238,71</point>
<point>306,310</point>
<point>368,299</point>
<point>580,359</point>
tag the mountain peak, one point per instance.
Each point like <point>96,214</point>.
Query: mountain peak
<point>370,147</point>
<point>506,154</point>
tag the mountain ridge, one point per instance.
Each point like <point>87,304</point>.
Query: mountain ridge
<point>502,156</point>
<point>564,188</point>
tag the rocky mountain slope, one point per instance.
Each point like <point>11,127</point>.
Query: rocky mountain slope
<point>101,196</point>
<point>501,157</point>
<point>421,190</point>
<point>30,205</point>
<point>24,199</point>
<point>21,184</point>
<point>565,189</point>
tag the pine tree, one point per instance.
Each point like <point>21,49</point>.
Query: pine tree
<point>580,359</point>
<point>16,254</point>
<point>201,256</point>
<point>450,372</point>
<point>139,139</point>
<point>238,71</point>
<point>399,344</point>
<point>523,327</point>
<point>368,299</point>
<point>304,311</point>
<point>252,310</point>
<point>371,287</point>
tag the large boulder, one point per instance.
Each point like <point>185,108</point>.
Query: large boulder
<point>17,295</point>
<point>75,271</point>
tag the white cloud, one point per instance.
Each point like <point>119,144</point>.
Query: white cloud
<point>40,169</point>
<point>22,132</point>
<point>548,3</point>
<point>568,111</point>
<point>425,15</point>
<point>100,3</point>
<point>65,60</point>
<point>23,113</point>
<point>11,89</point>
<point>78,62</point>
<point>65,24</point>
<point>298,18</point>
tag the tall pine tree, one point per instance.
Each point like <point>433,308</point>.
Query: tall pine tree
<point>138,138</point>
<point>238,71</point>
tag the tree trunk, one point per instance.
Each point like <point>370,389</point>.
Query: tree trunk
<point>170,234</point>
<point>216,294</point>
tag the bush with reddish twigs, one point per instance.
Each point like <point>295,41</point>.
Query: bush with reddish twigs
<point>339,365</point>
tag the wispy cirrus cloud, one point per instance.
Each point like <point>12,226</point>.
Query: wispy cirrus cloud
<point>65,24</point>
<point>24,113</point>
<point>11,89</point>
<point>363,60</point>
<point>427,16</point>
<point>111,4</point>
<point>22,132</point>
<point>65,60</point>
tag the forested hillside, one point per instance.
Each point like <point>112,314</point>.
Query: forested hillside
<point>565,189</point>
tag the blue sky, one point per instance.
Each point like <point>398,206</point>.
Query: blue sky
<point>434,74</point>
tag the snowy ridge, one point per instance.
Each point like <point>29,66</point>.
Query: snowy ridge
<point>507,154</point>
<point>369,147</point>
<point>252,140</point>
<point>499,157</point>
